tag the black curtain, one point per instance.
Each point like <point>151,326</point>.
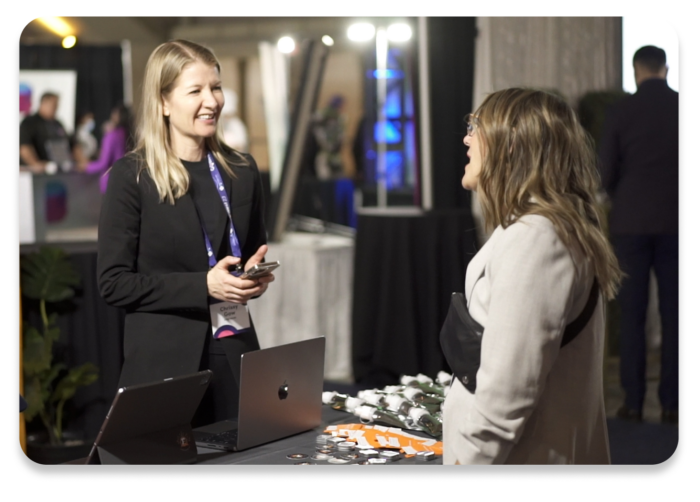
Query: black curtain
<point>451,72</point>
<point>406,268</point>
<point>100,82</point>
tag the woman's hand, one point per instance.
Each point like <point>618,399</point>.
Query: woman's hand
<point>224,286</point>
<point>264,280</point>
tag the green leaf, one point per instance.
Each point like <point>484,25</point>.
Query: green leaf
<point>76,377</point>
<point>35,356</point>
<point>53,332</point>
<point>48,275</point>
<point>45,395</point>
<point>48,377</point>
<point>32,394</point>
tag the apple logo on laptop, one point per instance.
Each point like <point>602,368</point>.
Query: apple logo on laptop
<point>283,391</point>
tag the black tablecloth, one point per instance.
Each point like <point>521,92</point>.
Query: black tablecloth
<point>406,268</point>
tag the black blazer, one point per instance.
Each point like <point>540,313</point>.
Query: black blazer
<point>639,161</point>
<point>152,261</point>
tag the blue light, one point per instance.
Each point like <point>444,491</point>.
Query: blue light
<point>410,149</point>
<point>394,170</point>
<point>392,56</point>
<point>408,103</point>
<point>392,106</point>
<point>390,134</point>
<point>385,74</point>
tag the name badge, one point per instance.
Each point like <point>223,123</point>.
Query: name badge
<point>228,319</point>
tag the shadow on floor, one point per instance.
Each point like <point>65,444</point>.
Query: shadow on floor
<point>641,444</point>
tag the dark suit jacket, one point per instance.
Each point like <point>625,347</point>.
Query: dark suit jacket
<point>152,261</point>
<point>639,161</point>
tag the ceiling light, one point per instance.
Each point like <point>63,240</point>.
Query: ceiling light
<point>57,25</point>
<point>286,45</point>
<point>69,42</point>
<point>399,32</point>
<point>327,40</point>
<point>361,32</point>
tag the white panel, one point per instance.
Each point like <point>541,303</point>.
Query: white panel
<point>275,76</point>
<point>27,232</point>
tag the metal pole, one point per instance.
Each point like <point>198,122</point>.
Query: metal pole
<point>425,139</point>
<point>382,48</point>
<point>127,73</point>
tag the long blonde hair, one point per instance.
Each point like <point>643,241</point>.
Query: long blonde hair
<point>539,160</point>
<point>153,147</point>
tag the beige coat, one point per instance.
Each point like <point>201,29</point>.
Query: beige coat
<point>534,403</point>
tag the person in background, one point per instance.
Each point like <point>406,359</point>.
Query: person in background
<point>639,170</point>
<point>84,136</point>
<point>115,139</point>
<point>329,131</point>
<point>358,151</point>
<point>235,131</point>
<point>44,145</point>
<point>532,400</point>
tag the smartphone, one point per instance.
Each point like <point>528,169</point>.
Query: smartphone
<point>258,270</point>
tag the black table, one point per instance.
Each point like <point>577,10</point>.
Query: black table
<point>276,453</point>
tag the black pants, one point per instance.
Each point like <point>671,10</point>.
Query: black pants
<point>220,401</point>
<point>637,255</point>
<point>222,357</point>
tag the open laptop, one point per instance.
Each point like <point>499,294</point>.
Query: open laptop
<point>150,423</point>
<point>280,395</point>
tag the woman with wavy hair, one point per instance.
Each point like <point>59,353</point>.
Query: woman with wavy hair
<point>535,290</point>
<point>181,212</point>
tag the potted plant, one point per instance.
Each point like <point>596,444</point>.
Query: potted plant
<point>48,276</point>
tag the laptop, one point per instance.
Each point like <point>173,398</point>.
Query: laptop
<point>150,423</point>
<point>279,396</point>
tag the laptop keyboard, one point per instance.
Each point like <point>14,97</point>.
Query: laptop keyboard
<point>227,437</point>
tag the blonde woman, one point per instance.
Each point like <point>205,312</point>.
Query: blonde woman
<point>180,214</point>
<point>537,396</point>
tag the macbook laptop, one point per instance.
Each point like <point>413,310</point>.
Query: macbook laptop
<point>150,423</point>
<point>280,395</point>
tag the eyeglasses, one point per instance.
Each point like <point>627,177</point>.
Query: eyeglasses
<point>472,124</point>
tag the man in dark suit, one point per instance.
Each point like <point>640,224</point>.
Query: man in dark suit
<point>639,169</point>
